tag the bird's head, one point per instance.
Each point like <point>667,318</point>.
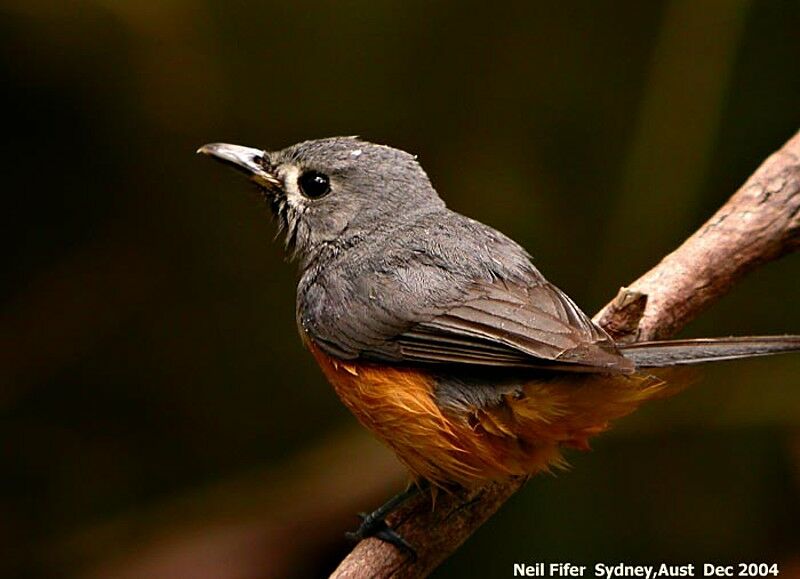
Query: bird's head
<point>333,190</point>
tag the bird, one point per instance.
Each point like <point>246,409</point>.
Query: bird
<point>438,332</point>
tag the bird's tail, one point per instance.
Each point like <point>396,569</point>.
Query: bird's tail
<point>661,354</point>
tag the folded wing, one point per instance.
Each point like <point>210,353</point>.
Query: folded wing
<point>500,324</point>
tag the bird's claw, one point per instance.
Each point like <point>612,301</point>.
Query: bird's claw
<point>377,527</point>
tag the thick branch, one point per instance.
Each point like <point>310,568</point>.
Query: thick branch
<point>759,223</point>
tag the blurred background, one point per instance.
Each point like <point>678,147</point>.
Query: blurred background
<point>158,414</point>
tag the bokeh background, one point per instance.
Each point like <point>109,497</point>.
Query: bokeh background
<point>158,415</point>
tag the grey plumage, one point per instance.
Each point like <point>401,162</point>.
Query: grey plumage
<point>699,350</point>
<point>390,274</point>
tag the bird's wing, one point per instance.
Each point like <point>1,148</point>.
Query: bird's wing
<point>502,324</point>
<point>455,292</point>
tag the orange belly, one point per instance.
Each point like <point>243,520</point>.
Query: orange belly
<point>522,434</point>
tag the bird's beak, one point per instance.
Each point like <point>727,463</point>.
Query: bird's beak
<point>244,159</point>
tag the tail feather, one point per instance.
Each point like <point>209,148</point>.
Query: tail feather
<point>665,353</point>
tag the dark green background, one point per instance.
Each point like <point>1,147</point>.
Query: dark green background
<point>158,415</point>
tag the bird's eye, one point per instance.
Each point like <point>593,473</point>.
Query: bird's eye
<point>313,184</point>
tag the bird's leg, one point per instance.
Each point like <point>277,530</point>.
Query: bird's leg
<point>374,523</point>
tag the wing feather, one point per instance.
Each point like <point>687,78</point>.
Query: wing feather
<point>501,324</point>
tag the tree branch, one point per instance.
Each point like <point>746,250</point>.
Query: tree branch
<point>759,223</point>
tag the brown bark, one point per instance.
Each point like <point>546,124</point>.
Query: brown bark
<point>759,223</point>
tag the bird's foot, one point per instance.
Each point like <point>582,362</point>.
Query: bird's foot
<point>374,525</point>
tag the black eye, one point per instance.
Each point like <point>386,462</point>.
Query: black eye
<point>313,184</point>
